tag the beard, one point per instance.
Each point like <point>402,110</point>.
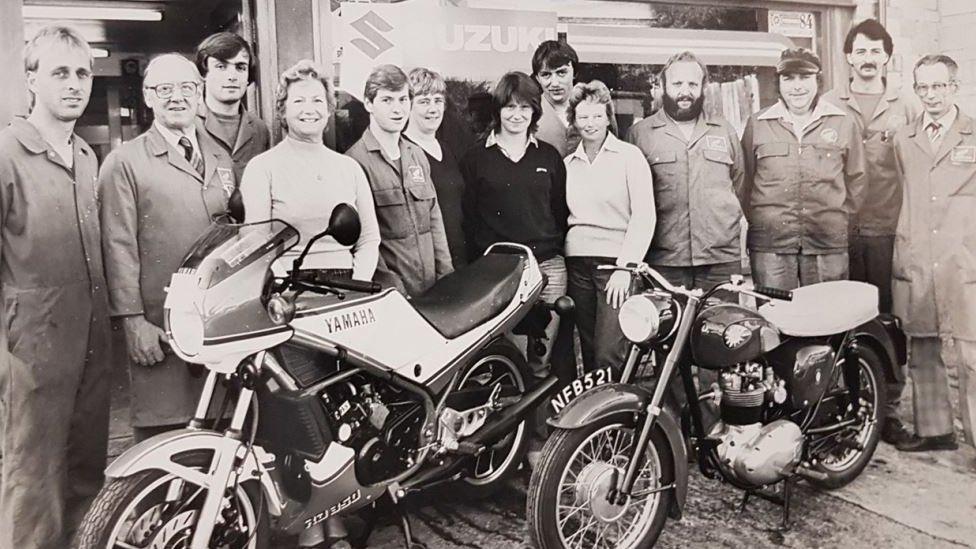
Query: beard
<point>683,115</point>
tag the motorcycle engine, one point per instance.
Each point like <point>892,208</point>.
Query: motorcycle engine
<point>750,449</point>
<point>379,422</point>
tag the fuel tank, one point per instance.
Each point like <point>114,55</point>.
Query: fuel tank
<point>726,334</point>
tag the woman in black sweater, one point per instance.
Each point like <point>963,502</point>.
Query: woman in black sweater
<point>515,191</point>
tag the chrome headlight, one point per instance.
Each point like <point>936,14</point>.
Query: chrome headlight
<point>640,319</point>
<point>186,331</point>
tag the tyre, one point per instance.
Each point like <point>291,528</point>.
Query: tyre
<point>498,363</point>
<point>567,500</point>
<point>155,509</point>
<point>845,456</point>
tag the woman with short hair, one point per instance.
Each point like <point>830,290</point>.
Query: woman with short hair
<point>611,222</point>
<point>300,180</point>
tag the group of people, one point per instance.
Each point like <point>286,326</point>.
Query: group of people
<point>862,182</point>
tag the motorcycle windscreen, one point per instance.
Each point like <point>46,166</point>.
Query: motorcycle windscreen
<point>226,249</point>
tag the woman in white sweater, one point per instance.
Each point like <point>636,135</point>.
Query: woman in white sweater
<point>611,222</point>
<point>300,180</point>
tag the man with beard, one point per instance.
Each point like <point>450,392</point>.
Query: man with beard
<point>55,360</point>
<point>805,173</point>
<point>554,67</point>
<point>695,160</point>
<point>880,110</point>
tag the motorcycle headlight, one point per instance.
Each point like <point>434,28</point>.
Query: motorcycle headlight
<point>639,318</point>
<point>186,330</point>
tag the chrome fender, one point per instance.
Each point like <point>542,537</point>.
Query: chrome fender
<point>618,398</point>
<point>160,453</point>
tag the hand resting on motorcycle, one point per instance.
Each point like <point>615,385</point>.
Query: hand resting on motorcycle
<point>142,340</point>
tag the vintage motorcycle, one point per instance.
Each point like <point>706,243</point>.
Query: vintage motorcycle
<point>799,385</point>
<point>342,394</point>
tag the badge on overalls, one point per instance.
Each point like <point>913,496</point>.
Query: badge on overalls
<point>963,153</point>
<point>226,180</point>
<point>829,135</point>
<point>416,174</point>
<point>716,143</point>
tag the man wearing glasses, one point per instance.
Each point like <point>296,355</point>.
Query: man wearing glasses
<point>159,193</point>
<point>934,272</point>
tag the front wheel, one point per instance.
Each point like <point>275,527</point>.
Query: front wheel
<point>844,455</point>
<point>156,510</point>
<point>568,504</point>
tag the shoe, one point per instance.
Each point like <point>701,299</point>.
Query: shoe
<point>894,433</point>
<point>927,444</point>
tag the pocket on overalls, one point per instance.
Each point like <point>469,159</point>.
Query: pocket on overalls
<point>391,213</point>
<point>421,204</point>
<point>772,164</point>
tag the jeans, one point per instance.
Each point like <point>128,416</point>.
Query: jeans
<point>700,276</point>
<point>603,343</point>
<point>791,270</point>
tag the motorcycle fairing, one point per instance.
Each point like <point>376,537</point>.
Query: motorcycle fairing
<point>409,346</point>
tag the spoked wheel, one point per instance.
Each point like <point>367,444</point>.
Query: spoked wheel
<point>155,510</point>
<point>498,364</point>
<point>842,456</point>
<point>569,500</point>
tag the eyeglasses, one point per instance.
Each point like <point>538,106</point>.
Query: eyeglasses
<point>938,88</point>
<point>165,91</point>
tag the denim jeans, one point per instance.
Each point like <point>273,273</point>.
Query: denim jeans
<point>791,270</point>
<point>603,343</point>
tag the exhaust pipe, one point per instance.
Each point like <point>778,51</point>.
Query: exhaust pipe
<point>486,435</point>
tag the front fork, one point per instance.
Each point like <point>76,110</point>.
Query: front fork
<point>223,463</point>
<point>653,409</point>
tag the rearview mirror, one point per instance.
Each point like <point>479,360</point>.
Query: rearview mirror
<point>344,225</point>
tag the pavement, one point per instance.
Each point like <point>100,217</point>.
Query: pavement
<point>900,501</point>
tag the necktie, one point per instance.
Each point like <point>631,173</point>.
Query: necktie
<point>191,155</point>
<point>934,130</point>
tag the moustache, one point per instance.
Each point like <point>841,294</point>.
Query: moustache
<point>869,66</point>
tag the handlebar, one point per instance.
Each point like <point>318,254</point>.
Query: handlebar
<point>736,284</point>
<point>318,277</point>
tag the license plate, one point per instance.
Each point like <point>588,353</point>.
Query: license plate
<point>580,386</point>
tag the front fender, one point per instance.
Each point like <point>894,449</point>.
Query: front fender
<point>169,451</point>
<point>618,398</point>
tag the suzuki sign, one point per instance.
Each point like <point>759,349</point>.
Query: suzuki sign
<point>459,43</point>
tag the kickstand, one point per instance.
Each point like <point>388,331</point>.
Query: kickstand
<point>783,499</point>
<point>409,542</point>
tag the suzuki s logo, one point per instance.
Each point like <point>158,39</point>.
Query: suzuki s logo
<point>371,27</point>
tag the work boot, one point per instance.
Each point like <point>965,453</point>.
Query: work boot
<point>927,444</point>
<point>893,432</point>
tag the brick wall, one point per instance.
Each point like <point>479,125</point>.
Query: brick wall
<point>919,27</point>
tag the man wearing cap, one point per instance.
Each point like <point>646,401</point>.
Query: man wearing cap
<point>879,109</point>
<point>697,164</point>
<point>159,194</point>
<point>805,174</point>
<point>934,272</point>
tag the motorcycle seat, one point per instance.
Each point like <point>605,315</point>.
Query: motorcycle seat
<point>824,309</point>
<point>472,294</point>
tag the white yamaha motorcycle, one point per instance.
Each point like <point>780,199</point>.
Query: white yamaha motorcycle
<point>344,394</point>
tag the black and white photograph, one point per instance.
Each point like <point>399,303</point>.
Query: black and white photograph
<point>487,274</point>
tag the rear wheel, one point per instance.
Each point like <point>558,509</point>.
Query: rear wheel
<point>844,455</point>
<point>500,363</point>
<point>568,504</point>
<point>156,510</point>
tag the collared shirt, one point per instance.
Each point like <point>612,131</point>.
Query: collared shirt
<point>944,122</point>
<point>173,138</point>
<point>798,193</point>
<point>492,141</point>
<point>611,202</point>
<point>878,213</point>
<point>413,244</point>
<point>695,183</point>
<point>253,137</point>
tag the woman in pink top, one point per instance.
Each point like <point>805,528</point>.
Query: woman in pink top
<point>611,222</point>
